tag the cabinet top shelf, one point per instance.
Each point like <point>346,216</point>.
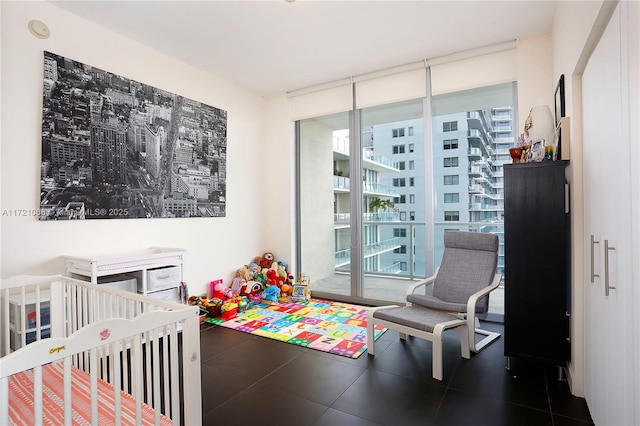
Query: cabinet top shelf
<point>534,164</point>
<point>142,259</point>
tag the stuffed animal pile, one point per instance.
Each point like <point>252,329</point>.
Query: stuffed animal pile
<point>264,280</point>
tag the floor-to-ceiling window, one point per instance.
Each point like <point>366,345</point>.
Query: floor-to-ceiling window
<point>381,182</point>
<point>472,133</point>
<point>325,183</point>
<point>394,199</point>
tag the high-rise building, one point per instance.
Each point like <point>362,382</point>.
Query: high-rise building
<point>109,151</point>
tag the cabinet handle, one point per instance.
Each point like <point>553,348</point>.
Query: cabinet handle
<point>607,285</point>
<point>593,273</point>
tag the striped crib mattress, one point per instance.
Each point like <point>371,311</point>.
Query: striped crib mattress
<point>21,399</point>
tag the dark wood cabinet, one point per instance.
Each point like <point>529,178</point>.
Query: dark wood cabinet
<point>537,262</point>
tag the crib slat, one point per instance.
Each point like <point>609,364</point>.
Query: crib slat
<point>4,401</point>
<point>37,395</point>
<point>5,323</point>
<point>126,367</point>
<point>117,347</point>
<point>136,373</point>
<point>67,391</point>
<point>165,370</point>
<point>147,357</point>
<point>155,364</point>
<point>23,315</point>
<point>93,368</point>
<point>38,323</point>
<point>175,376</point>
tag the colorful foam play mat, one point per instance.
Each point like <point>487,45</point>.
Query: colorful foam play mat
<point>334,327</point>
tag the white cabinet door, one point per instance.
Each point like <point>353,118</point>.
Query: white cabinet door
<point>609,363</point>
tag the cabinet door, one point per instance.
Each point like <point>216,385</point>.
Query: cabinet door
<point>536,247</point>
<point>609,338</point>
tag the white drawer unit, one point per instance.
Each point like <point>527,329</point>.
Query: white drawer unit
<point>24,323</point>
<point>159,278</point>
<point>169,295</point>
<point>120,281</point>
<point>156,269</point>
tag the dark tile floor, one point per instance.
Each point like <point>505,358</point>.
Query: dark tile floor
<point>250,380</point>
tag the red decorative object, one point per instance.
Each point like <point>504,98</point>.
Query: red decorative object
<point>516,154</point>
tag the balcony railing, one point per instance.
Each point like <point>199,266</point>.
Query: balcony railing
<point>343,257</point>
<point>371,156</point>
<point>341,183</point>
<point>381,217</point>
<point>345,218</point>
<point>380,189</point>
<point>475,152</point>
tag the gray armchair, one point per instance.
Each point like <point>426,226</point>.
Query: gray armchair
<point>453,298</point>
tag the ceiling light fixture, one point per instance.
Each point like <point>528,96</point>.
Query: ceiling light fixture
<point>39,29</point>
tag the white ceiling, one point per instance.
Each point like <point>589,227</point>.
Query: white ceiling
<point>272,46</point>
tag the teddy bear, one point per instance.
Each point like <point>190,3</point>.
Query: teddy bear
<point>266,260</point>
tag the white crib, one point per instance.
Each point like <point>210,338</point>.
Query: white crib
<point>113,357</point>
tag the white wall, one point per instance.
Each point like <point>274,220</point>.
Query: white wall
<point>216,246</point>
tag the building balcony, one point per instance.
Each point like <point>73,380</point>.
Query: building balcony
<point>371,188</point>
<point>475,171</point>
<point>483,207</point>
<point>341,184</point>
<point>378,162</point>
<point>371,160</point>
<point>475,153</point>
<point>343,257</point>
<point>381,217</point>
<point>345,218</point>
<point>475,188</point>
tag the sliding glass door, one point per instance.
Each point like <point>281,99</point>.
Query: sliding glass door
<point>363,201</point>
<point>394,199</point>
<point>325,182</point>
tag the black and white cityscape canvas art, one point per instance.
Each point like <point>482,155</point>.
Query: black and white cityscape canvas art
<point>116,148</point>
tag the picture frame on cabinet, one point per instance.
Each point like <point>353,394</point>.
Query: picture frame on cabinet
<point>559,100</point>
<point>562,141</point>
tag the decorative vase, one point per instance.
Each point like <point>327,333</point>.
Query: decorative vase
<point>516,154</point>
<point>540,125</point>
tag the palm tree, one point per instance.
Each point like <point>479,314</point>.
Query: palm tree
<point>377,203</point>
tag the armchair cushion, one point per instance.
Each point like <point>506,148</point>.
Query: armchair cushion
<point>468,265</point>
<point>414,317</point>
<point>434,303</point>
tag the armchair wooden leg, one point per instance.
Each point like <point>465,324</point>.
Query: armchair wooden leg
<point>464,341</point>
<point>474,326</point>
<point>437,352</point>
<point>370,339</point>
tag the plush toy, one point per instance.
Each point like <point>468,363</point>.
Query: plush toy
<point>236,284</point>
<point>245,273</point>
<point>255,268</point>
<point>221,291</point>
<point>282,269</point>
<point>286,290</point>
<point>251,288</point>
<point>265,260</point>
<point>274,279</point>
<point>270,294</point>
